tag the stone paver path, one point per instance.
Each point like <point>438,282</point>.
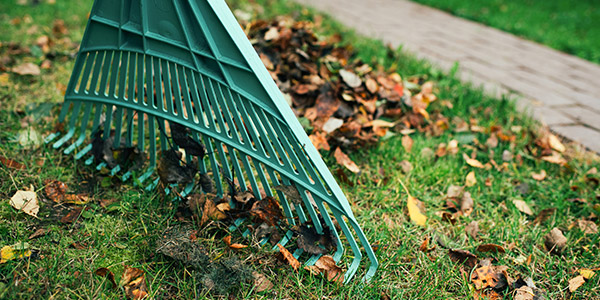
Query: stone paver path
<point>561,90</point>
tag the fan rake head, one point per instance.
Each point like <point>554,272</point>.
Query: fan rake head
<point>180,74</point>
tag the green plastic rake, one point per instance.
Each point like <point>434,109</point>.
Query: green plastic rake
<point>146,64</point>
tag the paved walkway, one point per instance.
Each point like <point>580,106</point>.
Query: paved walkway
<point>561,90</point>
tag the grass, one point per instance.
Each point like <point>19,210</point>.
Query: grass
<point>126,232</point>
<point>569,26</point>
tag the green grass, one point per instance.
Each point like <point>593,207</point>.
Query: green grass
<point>569,26</point>
<point>126,233</point>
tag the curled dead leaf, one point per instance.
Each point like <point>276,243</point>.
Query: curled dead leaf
<point>105,272</point>
<point>472,162</point>
<point>227,241</point>
<point>522,207</point>
<point>463,257</point>
<point>539,176</point>
<point>345,161</point>
<point>555,241</point>
<point>134,282</point>
<point>490,248</point>
<point>289,258</point>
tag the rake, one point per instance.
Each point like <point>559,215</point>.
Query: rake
<point>146,67</point>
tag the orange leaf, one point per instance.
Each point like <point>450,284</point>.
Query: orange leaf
<point>289,257</point>
<point>227,241</point>
<point>345,161</point>
<point>11,163</point>
<point>473,162</point>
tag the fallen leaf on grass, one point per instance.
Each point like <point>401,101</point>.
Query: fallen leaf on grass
<point>588,227</point>
<point>555,159</point>
<point>575,283</point>
<point>26,69</point>
<point>26,201</point>
<point>289,258</point>
<point>555,241</point>
<point>327,266</point>
<point>9,163</point>
<point>18,250</point>
<point>414,211</point>
<point>312,242</point>
<point>472,229</point>
<point>407,143</point>
<point>56,191</point>
<point>524,293</point>
<point>227,241</point>
<point>463,257</point>
<point>72,216</point>
<point>473,162</point>
<point>489,277</point>
<point>539,176</point>
<point>261,282</point>
<point>586,273</point>
<point>406,166</point>
<point>345,161</point>
<point>105,272</point>
<point>490,248</point>
<point>555,143</point>
<point>466,204</point>
<point>492,141</point>
<point>38,233</point>
<point>134,282</point>
<point>267,210</point>
<point>522,207</point>
<point>471,180</point>
<point>544,215</point>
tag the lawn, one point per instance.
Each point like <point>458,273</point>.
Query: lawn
<point>521,181</point>
<point>569,26</point>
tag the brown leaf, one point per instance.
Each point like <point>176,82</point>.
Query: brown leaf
<point>575,283</point>
<point>492,141</point>
<point>345,161</point>
<point>38,233</point>
<point>227,241</point>
<point>555,143</point>
<point>466,204</point>
<point>490,248</point>
<point>291,192</point>
<point>26,69</point>
<point>539,176</point>
<point>522,207</point>
<point>588,227</point>
<point>312,242</point>
<point>328,267</point>
<point>472,229</point>
<point>135,288</point>
<point>72,216</point>
<point>555,159</point>
<point>544,215</point>
<point>406,166</point>
<point>463,257</point>
<point>55,190</point>
<point>9,163</point>
<point>267,210</point>
<point>291,260</point>
<point>104,272</point>
<point>555,241</point>
<point>488,277</point>
<point>261,282</point>
<point>524,293</point>
<point>319,140</point>
<point>473,162</point>
<point>407,143</point>
<point>371,85</point>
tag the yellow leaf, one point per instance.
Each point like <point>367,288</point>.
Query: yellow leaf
<point>470,180</point>
<point>13,252</point>
<point>586,273</point>
<point>414,212</point>
<point>473,162</point>
<point>555,143</point>
<point>555,159</point>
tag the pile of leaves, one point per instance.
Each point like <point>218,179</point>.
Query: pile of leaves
<point>340,100</point>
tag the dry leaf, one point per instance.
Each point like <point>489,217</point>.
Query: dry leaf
<point>18,250</point>
<point>134,282</point>
<point>104,272</point>
<point>466,204</point>
<point>555,143</point>
<point>372,85</point>
<point>522,207</point>
<point>268,210</point>
<point>473,162</point>
<point>414,212</point>
<point>289,257</point>
<point>524,293</point>
<point>544,215</point>
<point>272,34</point>
<point>351,79</point>
<point>327,265</point>
<point>555,158</point>
<point>575,283</point>
<point>471,180</point>
<point>26,69</point>
<point>490,248</point>
<point>492,141</point>
<point>319,140</point>
<point>345,161</point>
<point>488,276</point>
<point>261,282</point>
<point>407,143</point>
<point>406,166</point>
<point>9,163</point>
<point>25,201</point>
<point>332,124</point>
<point>71,216</point>
<point>555,241</point>
<point>588,227</point>
<point>463,257</point>
<point>472,229</point>
<point>586,273</point>
<point>227,241</point>
<point>452,147</point>
<point>539,176</point>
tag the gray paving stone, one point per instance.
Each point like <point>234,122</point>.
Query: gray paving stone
<point>548,80</point>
